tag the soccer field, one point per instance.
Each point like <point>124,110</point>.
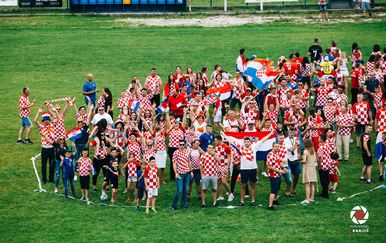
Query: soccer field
<point>52,55</point>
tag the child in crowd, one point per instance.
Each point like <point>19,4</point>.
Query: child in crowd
<point>84,167</point>
<point>140,184</point>
<point>334,173</point>
<point>68,172</point>
<point>112,176</point>
<point>152,184</point>
<point>131,165</point>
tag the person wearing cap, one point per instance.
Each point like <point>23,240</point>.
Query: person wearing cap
<point>154,82</point>
<point>68,172</point>
<point>89,90</point>
<point>25,111</point>
<point>47,139</point>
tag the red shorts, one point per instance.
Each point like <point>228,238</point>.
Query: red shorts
<point>333,178</point>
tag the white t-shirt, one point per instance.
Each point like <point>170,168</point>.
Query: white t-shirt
<point>199,129</point>
<point>288,142</point>
<point>245,162</point>
<point>97,117</point>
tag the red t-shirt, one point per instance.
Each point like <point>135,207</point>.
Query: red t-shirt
<point>175,104</point>
<point>354,79</point>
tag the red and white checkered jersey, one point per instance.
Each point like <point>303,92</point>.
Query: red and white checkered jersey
<point>272,115</point>
<point>181,158</point>
<point>346,120</point>
<point>135,148</point>
<point>331,144</point>
<point>370,67</point>
<point>208,164</point>
<point>223,152</point>
<point>123,101</point>
<point>304,94</point>
<point>84,166</point>
<point>361,112</point>
<point>274,161</point>
<point>101,152</point>
<point>46,134</point>
<point>235,154</point>
<point>151,176</point>
<point>145,101</point>
<point>381,119</point>
<point>248,155</point>
<point>334,165</point>
<point>329,113</point>
<point>101,101</point>
<point>160,142</point>
<point>313,122</point>
<point>148,153</point>
<point>238,89</point>
<point>282,153</point>
<point>190,136</point>
<point>59,130</point>
<point>306,70</point>
<point>154,84</point>
<point>341,97</point>
<point>80,117</point>
<point>24,104</point>
<point>175,135</point>
<point>195,159</point>
<point>322,97</point>
<point>377,99</point>
<point>282,92</point>
<point>132,169</point>
<point>231,126</point>
<point>324,154</point>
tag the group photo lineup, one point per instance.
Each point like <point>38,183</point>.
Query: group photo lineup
<point>193,121</point>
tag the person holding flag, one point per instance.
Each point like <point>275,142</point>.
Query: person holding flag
<point>248,165</point>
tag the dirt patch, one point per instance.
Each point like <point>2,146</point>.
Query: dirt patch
<point>226,21</point>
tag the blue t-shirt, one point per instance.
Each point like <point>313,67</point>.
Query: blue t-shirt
<point>68,166</point>
<point>87,87</point>
<point>205,140</point>
<point>141,182</point>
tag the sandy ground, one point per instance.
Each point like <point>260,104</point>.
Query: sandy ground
<point>224,20</point>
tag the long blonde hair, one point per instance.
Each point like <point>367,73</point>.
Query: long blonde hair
<point>309,145</point>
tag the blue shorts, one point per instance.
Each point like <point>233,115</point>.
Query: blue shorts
<point>25,122</point>
<point>287,176</point>
<point>196,176</point>
<point>295,167</point>
<point>365,5</point>
<point>275,184</point>
<point>140,192</point>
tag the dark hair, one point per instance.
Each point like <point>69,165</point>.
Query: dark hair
<point>291,56</point>
<point>333,44</point>
<point>247,138</point>
<point>151,158</point>
<point>334,156</point>
<point>376,48</point>
<point>80,107</point>
<point>153,69</point>
<point>85,149</point>
<point>305,61</point>
<point>371,58</point>
<point>114,149</point>
<point>208,125</point>
<point>242,51</point>
<point>216,66</point>
<point>218,137</point>
<point>101,124</point>
<point>323,137</point>
<point>316,40</point>
<point>25,89</point>
<point>297,54</point>
<point>204,69</point>
<point>354,46</point>
<point>312,111</point>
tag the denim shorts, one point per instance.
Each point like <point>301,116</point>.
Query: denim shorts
<point>26,122</point>
<point>294,167</point>
<point>275,184</point>
<point>365,5</point>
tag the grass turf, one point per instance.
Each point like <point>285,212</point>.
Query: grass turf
<point>53,54</point>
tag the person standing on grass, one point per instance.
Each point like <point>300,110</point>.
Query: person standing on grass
<point>68,172</point>
<point>315,51</point>
<point>248,165</point>
<point>153,82</point>
<point>345,123</point>
<point>195,162</point>
<point>89,90</point>
<point>152,184</point>
<point>365,6</point>
<point>324,164</point>
<point>25,111</point>
<point>309,171</point>
<point>46,130</point>
<point>183,170</point>
<point>84,168</point>
<point>208,170</point>
<point>293,150</point>
<point>223,151</point>
<point>366,155</point>
<point>282,154</point>
<point>275,171</point>
<point>60,149</point>
<point>362,114</point>
<point>380,128</point>
<point>112,179</point>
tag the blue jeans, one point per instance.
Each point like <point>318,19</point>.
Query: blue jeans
<point>182,187</point>
<point>68,177</point>
<point>287,176</point>
<point>57,172</point>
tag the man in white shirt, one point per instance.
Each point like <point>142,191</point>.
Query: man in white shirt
<point>248,165</point>
<point>100,115</point>
<point>292,146</point>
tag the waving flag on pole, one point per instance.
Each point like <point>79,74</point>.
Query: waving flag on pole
<point>74,134</point>
<point>264,149</point>
<point>162,107</point>
<point>260,73</point>
<point>135,105</point>
<point>224,91</point>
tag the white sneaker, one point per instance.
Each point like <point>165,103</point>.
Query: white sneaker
<point>351,141</point>
<point>227,194</point>
<point>246,196</point>
<point>305,202</point>
<point>153,209</point>
<point>220,199</point>
<point>230,197</point>
<point>147,211</point>
<point>125,191</point>
<point>56,190</point>
<point>75,178</point>
<point>264,174</point>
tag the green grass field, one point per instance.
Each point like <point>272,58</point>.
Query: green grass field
<point>52,55</point>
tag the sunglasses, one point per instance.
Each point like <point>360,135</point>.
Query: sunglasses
<point>182,144</point>
<point>149,145</point>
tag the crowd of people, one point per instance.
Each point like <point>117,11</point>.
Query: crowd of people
<point>135,139</point>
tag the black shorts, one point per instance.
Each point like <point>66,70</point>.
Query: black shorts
<point>275,184</point>
<point>112,181</point>
<point>367,160</point>
<point>84,182</point>
<point>248,175</point>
